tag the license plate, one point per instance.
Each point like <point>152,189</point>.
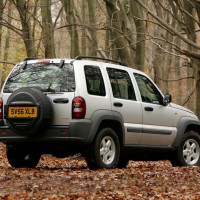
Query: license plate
<point>23,112</point>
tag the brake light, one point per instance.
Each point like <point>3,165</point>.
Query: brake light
<point>78,108</point>
<point>1,108</point>
<point>43,61</point>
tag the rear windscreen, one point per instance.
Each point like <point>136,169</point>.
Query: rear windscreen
<point>47,77</point>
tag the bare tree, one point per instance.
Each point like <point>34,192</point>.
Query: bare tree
<point>187,16</point>
<point>71,19</point>
<point>47,29</point>
<point>137,13</point>
<point>118,27</point>
<point>24,8</point>
<point>1,15</point>
<point>7,41</point>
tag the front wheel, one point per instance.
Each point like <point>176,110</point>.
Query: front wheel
<point>188,153</point>
<point>105,151</point>
<point>22,157</point>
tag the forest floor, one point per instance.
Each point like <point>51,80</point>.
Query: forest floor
<point>70,178</point>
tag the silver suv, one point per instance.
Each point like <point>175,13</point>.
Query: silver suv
<point>107,112</point>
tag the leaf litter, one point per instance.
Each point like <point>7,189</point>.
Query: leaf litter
<point>70,179</point>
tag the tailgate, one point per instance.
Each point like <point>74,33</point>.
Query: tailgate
<point>61,107</point>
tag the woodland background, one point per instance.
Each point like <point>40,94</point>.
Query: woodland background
<point>159,37</point>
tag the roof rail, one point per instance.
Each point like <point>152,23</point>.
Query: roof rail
<point>30,58</point>
<point>98,58</point>
<point>24,64</point>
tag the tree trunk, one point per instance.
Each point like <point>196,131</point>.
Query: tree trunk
<point>47,29</point>
<point>69,8</point>
<point>197,78</point>
<point>159,54</point>
<point>118,27</point>
<point>140,39</point>
<point>84,46</point>
<point>7,42</point>
<point>1,14</point>
<point>27,34</point>
<point>190,32</point>
<point>93,33</point>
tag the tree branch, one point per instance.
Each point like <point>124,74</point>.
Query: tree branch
<point>178,79</point>
<point>8,63</point>
<point>168,26</point>
<point>188,98</point>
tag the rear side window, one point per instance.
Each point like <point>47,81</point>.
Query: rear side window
<point>48,77</point>
<point>94,81</point>
<point>121,84</point>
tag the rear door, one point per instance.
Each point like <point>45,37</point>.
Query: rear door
<point>125,102</point>
<point>92,86</point>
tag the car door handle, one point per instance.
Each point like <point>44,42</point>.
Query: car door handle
<point>148,108</point>
<point>61,100</point>
<point>117,104</point>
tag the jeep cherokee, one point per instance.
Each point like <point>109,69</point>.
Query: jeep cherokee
<point>100,108</point>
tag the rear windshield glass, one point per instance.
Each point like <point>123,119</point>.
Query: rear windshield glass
<point>47,77</point>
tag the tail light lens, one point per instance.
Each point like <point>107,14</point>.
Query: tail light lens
<point>1,108</point>
<point>78,108</point>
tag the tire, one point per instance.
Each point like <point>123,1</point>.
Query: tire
<point>104,153</point>
<point>19,157</point>
<point>188,152</point>
<point>25,97</point>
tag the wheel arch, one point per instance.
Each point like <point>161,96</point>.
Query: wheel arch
<point>185,124</point>
<point>116,126</point>
<point>105,118</point>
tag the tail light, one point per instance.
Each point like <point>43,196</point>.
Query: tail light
<point>78,108</point>
<point>1,108</point>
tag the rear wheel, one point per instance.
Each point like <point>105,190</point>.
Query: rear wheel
<point>105,151</point>
<point>22,157</point>
<point>188,153</point>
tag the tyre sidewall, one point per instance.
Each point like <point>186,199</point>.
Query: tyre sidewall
<point>16,156</point>
<point>101,135</point>
<point>187,136</point>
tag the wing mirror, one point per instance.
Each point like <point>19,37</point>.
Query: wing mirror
<point>167,99</point>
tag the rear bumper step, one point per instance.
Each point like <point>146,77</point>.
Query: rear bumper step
<point>52,134</point>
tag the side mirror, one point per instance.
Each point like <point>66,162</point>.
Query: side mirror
<point>167,99</point>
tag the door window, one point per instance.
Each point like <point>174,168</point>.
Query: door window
<point>149,93</point>
<point>121,84</point>
<point>94,81</point>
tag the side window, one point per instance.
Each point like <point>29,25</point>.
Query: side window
<point>121,84</point>
<point>94,81</point>
<point>148,91</point>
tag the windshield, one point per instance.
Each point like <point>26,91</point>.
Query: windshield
<point>47,77</point>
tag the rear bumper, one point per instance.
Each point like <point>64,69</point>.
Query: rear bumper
<point>77,131</point>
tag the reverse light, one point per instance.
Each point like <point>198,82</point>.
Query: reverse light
<point>78,108</point>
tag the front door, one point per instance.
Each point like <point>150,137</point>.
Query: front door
<point>158,126</point>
